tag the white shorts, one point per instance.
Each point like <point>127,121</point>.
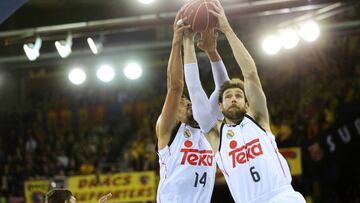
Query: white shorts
<point>284,194</point>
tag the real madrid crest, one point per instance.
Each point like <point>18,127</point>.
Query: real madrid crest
<point>187,133</point>
<point>230,134</point>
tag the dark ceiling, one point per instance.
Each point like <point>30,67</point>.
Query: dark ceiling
<point>129,26</point>
<point>36,13</point>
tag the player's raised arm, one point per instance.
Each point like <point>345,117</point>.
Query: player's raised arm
<point>175,84</point>
<point>253,89</point>
<point>200,103</point>
<point>208,44</point>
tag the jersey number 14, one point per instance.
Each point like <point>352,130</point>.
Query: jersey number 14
<point>202,179</point>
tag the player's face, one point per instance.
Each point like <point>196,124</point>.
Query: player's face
<point>233,105</point>
<point>185,111</point>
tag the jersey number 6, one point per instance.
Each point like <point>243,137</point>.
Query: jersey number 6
<point>254,174</point>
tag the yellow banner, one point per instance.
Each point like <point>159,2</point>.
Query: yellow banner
<point>35,190</point>
<point>293,157</point>
<point>125,187</point>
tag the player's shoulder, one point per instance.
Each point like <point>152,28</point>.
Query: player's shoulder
<point>263,125</point>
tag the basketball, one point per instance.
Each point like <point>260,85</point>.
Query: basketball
<point>198,15</point>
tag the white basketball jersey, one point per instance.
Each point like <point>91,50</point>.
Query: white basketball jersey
<point>187,168</point>
<point>251,162</point>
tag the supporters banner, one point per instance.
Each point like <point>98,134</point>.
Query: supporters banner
<point>35,190</point>
<point>293,157</point>
<point>342,137</point>
<point>125,187</point>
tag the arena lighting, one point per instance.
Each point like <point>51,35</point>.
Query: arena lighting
<point>105,73</point>
<point>32,50</point>
<point>64,46</point>
<point>133,71</point>
<point>95,47</point>
<point>77,76</point>
<point>146,1</point>
<point>271,44</point>
<point>288,38</point>
<point>309,31</point>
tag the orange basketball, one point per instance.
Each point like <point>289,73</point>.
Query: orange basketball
<point>198,15</point>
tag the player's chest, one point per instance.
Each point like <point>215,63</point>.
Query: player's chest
<point>239,147</point>
<point>194,150</point>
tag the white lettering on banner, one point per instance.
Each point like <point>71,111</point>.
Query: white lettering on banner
<point>332,146</point>
<point>344,134</point>
<point>357,125</point>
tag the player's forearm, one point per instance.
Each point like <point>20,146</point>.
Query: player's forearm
<point>220,76</point>
<point>213,56</point>
<point>219,73</point>
<point>200,103</point>
<point>189,51</point>
<point>242,56</point>
<point>175,72</point>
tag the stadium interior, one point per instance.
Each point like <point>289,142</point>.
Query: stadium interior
<point>52,129</point>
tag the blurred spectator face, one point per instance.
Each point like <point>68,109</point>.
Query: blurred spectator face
<point>233,105</point>
<point>316,152</point>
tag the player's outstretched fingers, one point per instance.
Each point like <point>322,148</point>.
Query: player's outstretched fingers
<point>104,198</point>
<point>184,27</point>
<point>214,13</point>
<point>216,7</point>
<point>218,4</point>
<point>182,22</point>
<point>178,17</point>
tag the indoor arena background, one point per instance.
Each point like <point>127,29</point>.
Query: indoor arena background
<point>96,136</point>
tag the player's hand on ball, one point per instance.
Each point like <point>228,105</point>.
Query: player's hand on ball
<point>104,198</point>
<point>208,41</point>
<point>179,26</point>
<point>218,11</point>
<point>189,35</point>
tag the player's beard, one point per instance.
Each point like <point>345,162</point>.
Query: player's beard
<point>235,115</point>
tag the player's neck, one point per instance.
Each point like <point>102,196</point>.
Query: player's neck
<point>233,121</point>
<point>192,123</point>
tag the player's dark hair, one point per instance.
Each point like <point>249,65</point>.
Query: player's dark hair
<point>233,83</point>
<point>58,196</point>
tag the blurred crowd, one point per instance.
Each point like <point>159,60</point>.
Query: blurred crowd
<point>86,131</point>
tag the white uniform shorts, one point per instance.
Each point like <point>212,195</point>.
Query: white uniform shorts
<point>284,194</point>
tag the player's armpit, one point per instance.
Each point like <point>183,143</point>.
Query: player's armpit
<point>262,120</point>
<point>213,137</point>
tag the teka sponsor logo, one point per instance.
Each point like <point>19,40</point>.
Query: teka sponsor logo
<point>242,154</point>
<point>196,157</point>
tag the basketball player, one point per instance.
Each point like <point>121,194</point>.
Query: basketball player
<point>66,196</point>
<point>187,166</point>
<point>246,150</point>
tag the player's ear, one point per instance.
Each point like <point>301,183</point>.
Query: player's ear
<point>221,107</point>
<point>247,106</point>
